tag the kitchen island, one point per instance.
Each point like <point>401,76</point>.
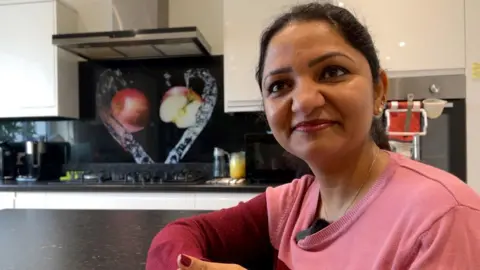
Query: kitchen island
<point>79,239</point>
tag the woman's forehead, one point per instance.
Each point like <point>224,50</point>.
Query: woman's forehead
<point>299,42</point>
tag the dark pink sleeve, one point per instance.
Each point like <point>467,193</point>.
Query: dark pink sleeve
<point>235,235</point>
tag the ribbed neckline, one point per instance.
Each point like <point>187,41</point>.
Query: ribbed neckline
<point>337,228</point>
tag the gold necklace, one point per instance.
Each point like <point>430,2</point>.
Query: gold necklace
<point>358,191</point>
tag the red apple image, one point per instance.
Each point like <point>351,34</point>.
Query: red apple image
<point>180,106</point>
<point>130,107</point>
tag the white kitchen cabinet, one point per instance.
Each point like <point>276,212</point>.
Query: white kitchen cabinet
<point>414,38</point>
<point>243,23</point>
<point>7,200</point>
<point>30,200</point>
<point>125,200</point>
<point>38,80</point>
<point>106,200</point>
<point>219,200</point>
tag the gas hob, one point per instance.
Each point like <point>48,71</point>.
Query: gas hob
<point>119,176</point>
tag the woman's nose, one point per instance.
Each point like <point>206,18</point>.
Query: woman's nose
<point>306,97</point>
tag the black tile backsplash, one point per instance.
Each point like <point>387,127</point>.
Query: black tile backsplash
<point>113,129</point>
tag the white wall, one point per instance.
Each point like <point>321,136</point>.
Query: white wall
<point>473,93</point>
<point>207,15</point>
<point>98,15</point>
<point>94,15</point>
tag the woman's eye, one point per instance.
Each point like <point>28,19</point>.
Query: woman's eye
<point>333,72</point>
<point>277,87</point>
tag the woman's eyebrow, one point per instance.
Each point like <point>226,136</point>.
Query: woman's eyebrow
<point>327,56</point>
<point>277,71</point>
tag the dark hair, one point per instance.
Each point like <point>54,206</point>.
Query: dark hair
<point>349,27</point>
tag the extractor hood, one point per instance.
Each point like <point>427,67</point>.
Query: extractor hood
<point>134,30</point>
<point>135,44</point>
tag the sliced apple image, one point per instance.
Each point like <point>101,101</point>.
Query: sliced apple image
<point>180,106</point>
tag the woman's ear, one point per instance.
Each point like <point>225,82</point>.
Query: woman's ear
<point>380,92</point>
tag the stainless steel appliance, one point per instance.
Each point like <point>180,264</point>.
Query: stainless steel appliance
<point>267,162</point>
<point>220,165</point>
<point>135,174</point>
<point>34,154</point>
<point>139,30</point>
<point>135,44</point>
<point>442,141</point>
<point>39,160</point>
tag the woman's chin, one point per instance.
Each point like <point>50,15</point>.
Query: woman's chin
<point>316,151</point>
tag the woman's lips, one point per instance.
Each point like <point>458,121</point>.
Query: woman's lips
<point>313,126</point>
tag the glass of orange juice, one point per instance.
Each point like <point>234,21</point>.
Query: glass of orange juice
<point>237,165</point>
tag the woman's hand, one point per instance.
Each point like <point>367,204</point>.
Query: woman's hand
<point>189,263</point>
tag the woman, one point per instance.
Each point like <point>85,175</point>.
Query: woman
<point>364,207</point>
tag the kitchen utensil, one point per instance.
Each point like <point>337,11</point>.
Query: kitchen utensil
<point>409,113</point>
<point>219,163</point>
<point>434,107</point>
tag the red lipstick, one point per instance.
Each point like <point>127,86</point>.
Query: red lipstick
<point>313,125</point>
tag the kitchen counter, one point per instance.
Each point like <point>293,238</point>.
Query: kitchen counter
<point>79,239</point>
<point>128,187</point>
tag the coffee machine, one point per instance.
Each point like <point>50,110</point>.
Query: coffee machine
<point>40,160</point>
<point>33,161</point>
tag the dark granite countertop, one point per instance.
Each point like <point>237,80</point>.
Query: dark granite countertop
<point>129,187</point>
<point>79,239</point>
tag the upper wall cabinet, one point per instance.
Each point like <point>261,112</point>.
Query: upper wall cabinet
<point>243,24</point>
<point>413,38</point>
<point>38,80</point>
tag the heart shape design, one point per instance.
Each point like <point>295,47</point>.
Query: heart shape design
<point>204,113</point>
<point>112,81</point>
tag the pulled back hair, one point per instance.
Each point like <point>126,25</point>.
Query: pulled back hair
<point>352,31</point>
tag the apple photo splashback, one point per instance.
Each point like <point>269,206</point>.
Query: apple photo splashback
<point>146,111</point>
<point>125,110</point>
